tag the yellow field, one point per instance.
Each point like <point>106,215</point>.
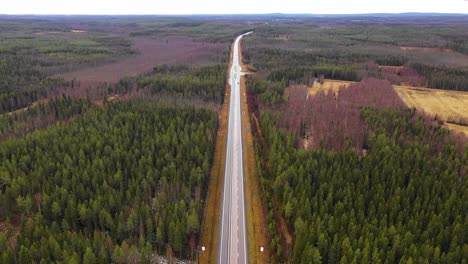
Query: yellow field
<point>458,128</point>
<point>441,102</point>
<point>328,85</point>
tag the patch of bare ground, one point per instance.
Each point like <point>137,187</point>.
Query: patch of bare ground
<point>151,51</point>
<point>11,227</point>
<point>447,105</point>
<point>114,98</point>
<point>26,108</point>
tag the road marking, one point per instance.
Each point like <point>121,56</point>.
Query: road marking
<point>234,243</point>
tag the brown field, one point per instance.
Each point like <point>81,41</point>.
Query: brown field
<point>442,103</point>
<point>328,85</point>
<point>151,51</point>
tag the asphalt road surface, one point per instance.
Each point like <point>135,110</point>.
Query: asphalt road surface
<point>233,234</point>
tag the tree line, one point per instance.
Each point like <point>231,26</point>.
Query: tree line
<point>300,67</point>
<point>205,83</point>
<point>443,77</point>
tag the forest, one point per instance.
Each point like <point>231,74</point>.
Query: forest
<point>118,171</point>
<point>352,175</point>
<point>354,51</point>
<point>361,150</point>
<point>92,183</point>
<point>205,83</point>
<point>41,115</point>
<point>333,120</point>
<point>32,51</point>
<point>112,173</point>
<point>402,202</point>
<point>111,185</point>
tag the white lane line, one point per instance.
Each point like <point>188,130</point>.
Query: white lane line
<point>234,170</point>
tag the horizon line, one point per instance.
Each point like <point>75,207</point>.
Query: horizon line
<point>250,14</point>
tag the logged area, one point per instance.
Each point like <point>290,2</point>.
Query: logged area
<point>151,51</point>
<point>47,57</point>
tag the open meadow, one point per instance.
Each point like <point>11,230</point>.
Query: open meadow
<point>449,106</point>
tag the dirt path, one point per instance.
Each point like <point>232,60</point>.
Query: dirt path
<point>34,104</point>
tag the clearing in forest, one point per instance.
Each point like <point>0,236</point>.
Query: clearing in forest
<point>328,85</point>
<point>447,105</point>
<point>151,51</point>
<point>450,106</point>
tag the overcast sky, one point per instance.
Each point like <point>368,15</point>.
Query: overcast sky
<point>229,7</point>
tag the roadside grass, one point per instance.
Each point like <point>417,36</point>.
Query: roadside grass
<point>211,220</point>
<point>210,230</point>
<point>256,230</point>
<point>256,220</point>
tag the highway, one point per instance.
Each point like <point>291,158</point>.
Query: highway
<point>233,234</point>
